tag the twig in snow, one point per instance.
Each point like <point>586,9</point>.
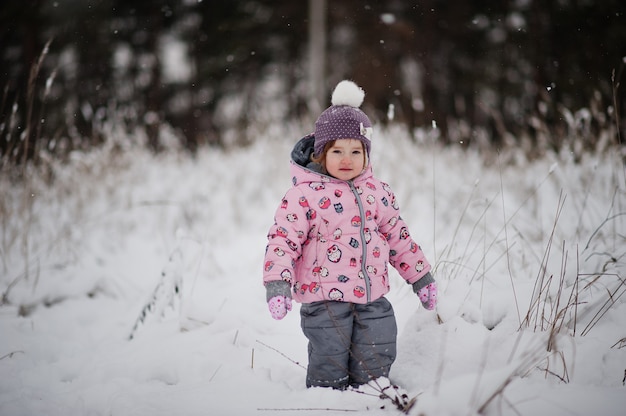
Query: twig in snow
<point>166,294</point>
<point>274,349</point>
<point>391,392</point>
<point>612,298</point>
<point>506,239</point>
<point>305,409</point>
<point>607,219</point>
<point>215,372</point>
<point>526,363</point>
<point>11,354</point>
<point>541,285</point>
<point>621,343</point>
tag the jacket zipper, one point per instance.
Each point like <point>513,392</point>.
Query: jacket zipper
<point>363,243</point>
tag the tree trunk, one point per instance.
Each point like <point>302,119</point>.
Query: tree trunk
<point>317,56</point>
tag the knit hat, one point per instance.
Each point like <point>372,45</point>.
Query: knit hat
<point>343,119</point>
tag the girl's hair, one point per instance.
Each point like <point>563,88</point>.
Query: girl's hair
<point>321,158</point>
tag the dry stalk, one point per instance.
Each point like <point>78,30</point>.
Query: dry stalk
<point>615,83</point>
<point>621,343</point>
<point>540,284</point>
<point>563,377</point>
<point>448,250</point>
<point>506,239</point>
<point>305,409</point>
<point>281,353</point>
<point>525,364</point>
<point>612,298</point>
<point>558,314</point>
<point>11,354</point>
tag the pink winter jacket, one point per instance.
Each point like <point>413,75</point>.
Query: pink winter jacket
<point>332,239</point>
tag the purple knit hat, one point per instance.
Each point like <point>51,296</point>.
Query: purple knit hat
<point>343,119</point>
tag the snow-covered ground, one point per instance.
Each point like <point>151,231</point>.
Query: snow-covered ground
<point>530,260</point>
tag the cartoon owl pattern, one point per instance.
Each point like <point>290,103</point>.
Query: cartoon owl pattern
<point>332,239</point>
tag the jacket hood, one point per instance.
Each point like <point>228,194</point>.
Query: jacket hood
<point>302,151</point>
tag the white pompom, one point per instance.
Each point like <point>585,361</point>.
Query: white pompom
<point>348,93</point>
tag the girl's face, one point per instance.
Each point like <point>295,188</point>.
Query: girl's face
<point>345,159</point>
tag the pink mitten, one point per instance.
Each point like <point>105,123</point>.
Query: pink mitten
<point>279,305</point>
<point>428,296</point>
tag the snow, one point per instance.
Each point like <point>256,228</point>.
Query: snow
<point>519,249</point>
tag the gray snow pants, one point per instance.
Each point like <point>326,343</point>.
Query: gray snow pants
<point>349,343</point>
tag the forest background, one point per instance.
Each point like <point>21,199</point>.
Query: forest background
<point>536,75</point>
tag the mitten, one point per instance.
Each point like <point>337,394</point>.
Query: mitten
<point>279,305</point>
<point>428,296</point>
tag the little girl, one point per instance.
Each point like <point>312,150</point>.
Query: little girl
<point>334,233</point>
